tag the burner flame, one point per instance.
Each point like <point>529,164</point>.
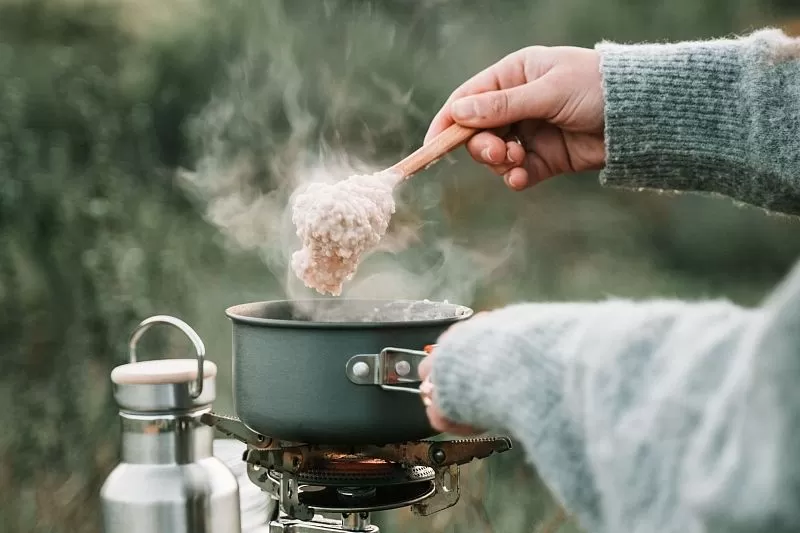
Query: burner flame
<point>345,463</point>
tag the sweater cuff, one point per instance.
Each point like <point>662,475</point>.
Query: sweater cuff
<point>483,366</point>
<point>506,371</point>
<point>675,118</point>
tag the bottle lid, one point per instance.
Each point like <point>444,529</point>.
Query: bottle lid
<point>164,385</point>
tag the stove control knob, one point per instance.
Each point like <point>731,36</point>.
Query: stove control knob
<point>402,368</point>
<point>361,369</point>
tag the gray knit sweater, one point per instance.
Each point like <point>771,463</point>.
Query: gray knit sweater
<point>662,416</point>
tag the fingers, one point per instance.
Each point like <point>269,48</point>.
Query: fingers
<point>435,417</point>
<point>498,154</point>
<point>491,109</point>
<point>517,179</point>
<point>482,103</point>
<point>548,155</point>
<point>482,82</point>
<point>504,158</point>
<point>504,73</point>
<point>424,369</point>
<point>515,153</point>
<point>489,149</point>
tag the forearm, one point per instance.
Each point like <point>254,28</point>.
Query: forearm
<point>630,410</point>
<point>718,116</point>
<point>576,385</point>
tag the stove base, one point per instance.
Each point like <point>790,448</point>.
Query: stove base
<point>357,522</point>
<point>341,499</point>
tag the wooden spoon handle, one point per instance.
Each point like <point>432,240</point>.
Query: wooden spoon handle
<point>430,153</point>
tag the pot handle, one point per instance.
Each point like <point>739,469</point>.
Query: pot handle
<point>390,369</point>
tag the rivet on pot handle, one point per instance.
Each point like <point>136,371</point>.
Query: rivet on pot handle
<point>389,369</point>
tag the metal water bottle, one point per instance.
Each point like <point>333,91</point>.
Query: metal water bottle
<point>169,480</point>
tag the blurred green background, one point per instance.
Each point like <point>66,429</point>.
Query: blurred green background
<point>105,104</point>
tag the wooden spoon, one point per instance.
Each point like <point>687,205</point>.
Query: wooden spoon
<point>430,153</point>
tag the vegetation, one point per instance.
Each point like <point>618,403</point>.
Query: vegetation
<point>106,107</point>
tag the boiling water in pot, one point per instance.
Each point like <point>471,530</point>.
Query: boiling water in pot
<point>366,311</point>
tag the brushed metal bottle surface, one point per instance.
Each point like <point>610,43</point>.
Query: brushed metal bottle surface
<point>168,480</point>
<point>195,498</point>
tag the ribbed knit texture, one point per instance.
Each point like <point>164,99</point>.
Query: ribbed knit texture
<point>719,117</point>
<point>661,416</point>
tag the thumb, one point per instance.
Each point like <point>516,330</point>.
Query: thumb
<point>494,109</point>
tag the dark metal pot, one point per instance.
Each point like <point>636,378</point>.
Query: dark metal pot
<point>335,371</point>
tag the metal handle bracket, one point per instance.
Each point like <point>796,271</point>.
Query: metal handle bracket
<point>390,369</point>
<point>234,428</point>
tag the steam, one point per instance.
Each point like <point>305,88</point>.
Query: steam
<point>283,120</point>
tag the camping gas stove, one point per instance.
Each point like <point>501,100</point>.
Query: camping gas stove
<point>325,488</point>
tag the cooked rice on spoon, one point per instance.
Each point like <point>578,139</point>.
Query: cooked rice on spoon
<point>337,224</point>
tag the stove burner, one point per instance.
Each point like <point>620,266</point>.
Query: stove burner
<point>331,499</point>
<point>309,479</point>
<point>381,498</point>
<point>388,474</point>
<point>352,494</point>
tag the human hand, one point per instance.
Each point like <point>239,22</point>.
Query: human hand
<point>550,100</point>
<point>437,420</point>
<point>435,417</point>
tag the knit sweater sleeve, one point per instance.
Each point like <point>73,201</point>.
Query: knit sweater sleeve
<point>659,416</point>
<point>716,116</point>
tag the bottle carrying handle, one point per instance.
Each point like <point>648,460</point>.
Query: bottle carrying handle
<point>197,342</point>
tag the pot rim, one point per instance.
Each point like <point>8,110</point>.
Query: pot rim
<point>236,314</point>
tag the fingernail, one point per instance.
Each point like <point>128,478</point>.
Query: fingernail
<point>517,183</point>
<point>462,109</point>
<point>486,155</point>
